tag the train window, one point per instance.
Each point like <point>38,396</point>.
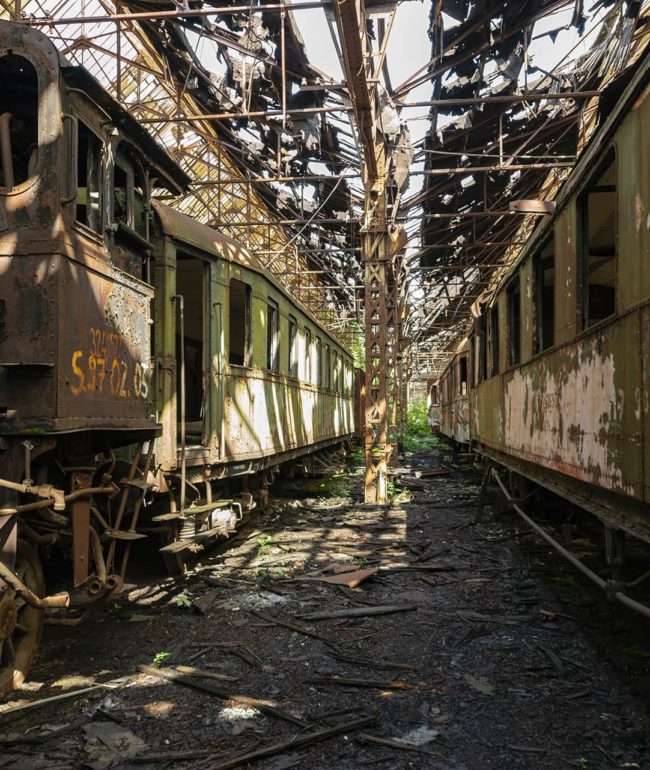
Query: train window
<point>129,194</point>
<point>272,336</point>
<point>293,347</point>
<point>19,99</point>
<point>493,332</point>
<point>513,303</point>
<point>597,218</point>
<point>481,350</point>
<point>191,284</point>
<point>89,175</point>
<point>308,356</point>
<point>240,323</point>
<point>328,367</point>
<point>319,361</point>
<point>544,278</point>
<point>463,375</point>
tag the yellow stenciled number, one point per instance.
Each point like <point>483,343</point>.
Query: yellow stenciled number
<point>76,389</point>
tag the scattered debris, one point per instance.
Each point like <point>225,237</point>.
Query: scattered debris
<point>360,612</point>
<point>349,579</point>
<point>12,711</point>
<point>480,684</point>
<point>298,741</point>
<point>199,672</point>
<point>265,706</point>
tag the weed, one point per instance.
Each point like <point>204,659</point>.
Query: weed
<point>264,544</point>
<point>182,600</point>
<point>582,762</point>
<point>160,657</point>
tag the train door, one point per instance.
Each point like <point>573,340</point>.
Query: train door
<point>192,346</point>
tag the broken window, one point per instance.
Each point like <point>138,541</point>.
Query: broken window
<point>513,303</point>
<point>272,336</point>
<point>19,123</point>
<point>494,341</point>
<point>89,175</point>
<point>129,193</point>
<point>597,222</point>
<point>463,375</point>
<point>240,323</point>
<point>544,277</point>
<point>293,347</point>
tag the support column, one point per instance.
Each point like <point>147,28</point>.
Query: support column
<point>374,251</point>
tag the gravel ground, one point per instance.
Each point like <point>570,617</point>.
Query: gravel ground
<point>496,655</point>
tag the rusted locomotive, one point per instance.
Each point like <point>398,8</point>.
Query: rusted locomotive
<point>145,359</point>
<point>561,351</point>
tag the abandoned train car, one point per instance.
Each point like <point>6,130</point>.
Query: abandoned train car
<point>561,351</point>
<point>143,356</point>
<point>453,392</point>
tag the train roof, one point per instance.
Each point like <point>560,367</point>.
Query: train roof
<point>172,175</point>
<point>177,225</point>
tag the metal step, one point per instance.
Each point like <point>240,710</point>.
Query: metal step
<point>124,534</point>
<point>181,545</point>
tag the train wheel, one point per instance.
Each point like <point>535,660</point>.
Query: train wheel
<point>20,625</point>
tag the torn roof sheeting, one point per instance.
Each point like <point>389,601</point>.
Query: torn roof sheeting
<point>250,47</point>
<point>485,56</point>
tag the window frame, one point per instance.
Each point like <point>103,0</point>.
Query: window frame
<point>610,158</point>
<point>513,289</point>
<point>272,335</point>
<point>538,271</point>
<point>101,206</point>
<point>293,347</point>
<point>248,330</point>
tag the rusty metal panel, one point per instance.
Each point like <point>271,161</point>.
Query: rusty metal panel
<point>103,347</point>
<point>486,412</point>
<point>578,411</point>
<point>461,425</point>
<point>503,326</point>
<point>566,279</point>
<point>633,162</point>
<point>644,384</point>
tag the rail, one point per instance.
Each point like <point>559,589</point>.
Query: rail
<point>608,586</point>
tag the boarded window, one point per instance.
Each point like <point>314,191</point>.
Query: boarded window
<point>89,175</point>
<point>272,336</point>
<point>597,217</point>
<point>240,323</point>
<point>293,347</point>
<point>544,272</point>
<point>513,302</point>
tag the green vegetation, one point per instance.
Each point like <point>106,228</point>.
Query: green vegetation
<point>182,600</point>
<point>418,431</point>
<point>264,544</point>
<point>160,657</point>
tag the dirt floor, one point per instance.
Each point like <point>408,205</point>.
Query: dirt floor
<point>491,654</point>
